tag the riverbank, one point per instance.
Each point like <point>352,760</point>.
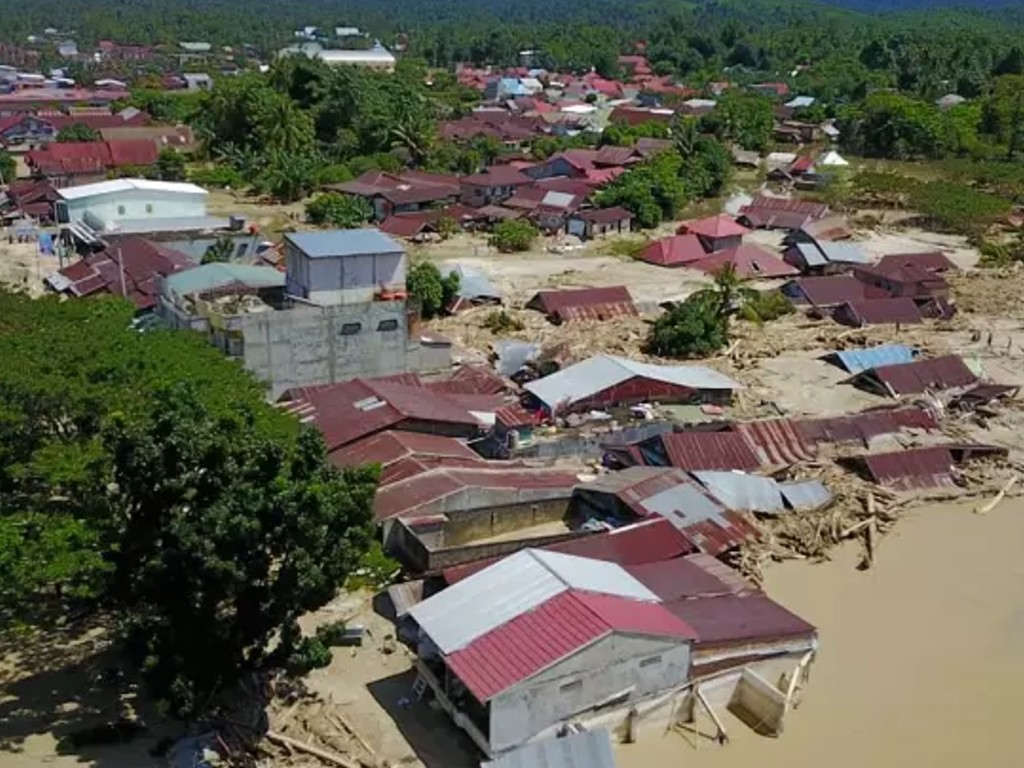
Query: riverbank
<point>922,658</point>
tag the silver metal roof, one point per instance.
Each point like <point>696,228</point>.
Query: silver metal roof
<point>343,242</point>
<point>857,360</point>
<point>684,505</point>
<point>596,374</point>
<point>812,256</point>
<point>806,494</point>
<point>129,185</point>
<point>514,354</point>
<point>740,491</point>
<point>849,253</point>
<point>473,284</point>
<point>511,587</point>
<point>589,749</point>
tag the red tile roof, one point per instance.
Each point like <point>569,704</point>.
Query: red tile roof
<point>674,251</point>
<point>749,261</point>
<point>714,227</point>
<point>532,641</point>
<point>694,451</point>
<point>584,303</point>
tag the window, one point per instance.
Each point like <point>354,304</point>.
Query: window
<point>351,329</point>
<point>120,210</point>
<point>650,661</point>
<point>573,687</point>
<point>149,207</point>
<point>387,325</point>
<point>240,251</point>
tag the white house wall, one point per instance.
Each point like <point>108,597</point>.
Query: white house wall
<point>586,679</point>
<point>113,207</point>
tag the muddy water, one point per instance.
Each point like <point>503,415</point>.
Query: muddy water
<point>922,659</point>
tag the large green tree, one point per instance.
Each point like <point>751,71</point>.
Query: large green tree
<point>143,474</point>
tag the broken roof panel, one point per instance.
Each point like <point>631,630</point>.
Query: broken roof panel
<point>937,373</point>
<point>857,360</point>
<point>740,491</point>
<point>911,469</point>
<point>805,494</point>
<point>865,426</point>
<point>776,442</point>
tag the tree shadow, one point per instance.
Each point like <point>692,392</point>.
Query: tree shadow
<point>65,691</point>
<point>431,734</point>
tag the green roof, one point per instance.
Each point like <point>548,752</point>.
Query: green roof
<point>208,277</point>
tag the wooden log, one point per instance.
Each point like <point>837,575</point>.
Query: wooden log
<point>984,509</point>
<point>723,737</point>
<point>328,757</point>
<point>339,719</point>
<point>857,527</point>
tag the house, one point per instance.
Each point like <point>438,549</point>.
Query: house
<point>749,262</point>
<point>781,212</point>
<point>569,635</point>
<point>674,251</point>
<point>346,266</point>
<point>179,137</point>
<point>583,304</point>
<point>401,453</point>
<point>587,749</point>
<point>822,257</point>
<point>919,468</point>
<point>797,132</point>
<point>599,222</point>
<point>74,163</point>
<point>475,288</point>
<point>604,381</point>
<point>716,233</point>
<point>647,147</point>
<point>904,280</point>
<point>884,311</point>
<point>857,360</point>
<point>405,192</point>
<point>915,378</point>
<point>197,81</point>
<point>129,268</point>
<point>133,206</point>
<point>33,198</point>
<point>933,261</point>
<point>697,107</point>
<point>25,131</point>
<point>771,89</point>
<point>829,291</point>
<point>493,185</point>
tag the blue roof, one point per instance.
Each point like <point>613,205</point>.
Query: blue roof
<point>857,360</point>
<point>343,242</point>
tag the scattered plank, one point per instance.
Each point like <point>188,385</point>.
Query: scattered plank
<point>328,757</point>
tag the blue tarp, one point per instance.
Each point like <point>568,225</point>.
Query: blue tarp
<point>857,360</point>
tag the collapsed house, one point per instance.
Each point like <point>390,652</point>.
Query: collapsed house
<point>915,378</point>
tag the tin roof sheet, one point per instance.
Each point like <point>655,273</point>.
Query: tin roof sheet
<point>749,261</point>
<point>740,491</point>
<point>882,311</point>
<point>827,290</point>
<point>679,579</point>
<point>776,442</point>
<point>911,469</point>
<point>865,426</point>
<point>806,494</point>
<point>790,205</point>
<point>709,450</point>
<point>596,374</point>
<point>386,448</point>
<point>674,251</point>
<point>734,619</point>
<point>722,225</point>
<point>842,253</point>
<point>933,261</point>
<point>857,360</point>
<point>343,242</point>
<point>589,749</point>
<point>948,372</point>
<point>584,303</point>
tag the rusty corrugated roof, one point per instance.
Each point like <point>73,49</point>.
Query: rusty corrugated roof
<point>709,450</point>
<point>865,426</point>
<point>947,372</point>
<point>777,442</point>
<point>915,468</point>
<point>584,303</point>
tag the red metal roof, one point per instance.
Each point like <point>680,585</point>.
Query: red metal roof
<point>772,219</point>
<point>611,155</point>
<point>673,251</point>
<point>470,380</point>
<point>735,619</point>
<point>584,303</point>
<point>680,579</point>
<point>833,290</point>
<point>933,261</point>
<point>910,469</point>
<point>788,205</point>
<point>948,372</point>
<point>420,493</point>
<point>498,176</point>
<point>777,442</point>
<point>879,312</point>
<point>647,541</point>
<point>749,261</point>
<point>535,640</point>
<point>865,426</point>
<point>605,215</point>
<point>697,450</point>
<point>722,225</point>
<point>385,448</point>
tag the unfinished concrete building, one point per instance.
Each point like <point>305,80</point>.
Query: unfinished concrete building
<point>341,313</point>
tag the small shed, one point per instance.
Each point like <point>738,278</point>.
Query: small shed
<point>587,304</point>
<point>598,222</point>
<point>674,251</point>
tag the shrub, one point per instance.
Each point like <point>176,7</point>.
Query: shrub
<point>220,176</point>
<point>433,292</point>
<point>310,653</point>
<point>500,321</point>
<point>512,236</point>
<point>694,328</point>
<point>763,307</point>
<point>337,210</point>
<point>331,634</point>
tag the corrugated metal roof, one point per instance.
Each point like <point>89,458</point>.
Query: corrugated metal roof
<point>584,303</point>
<point>596,374</point>
<point>129,185</point>
<point>709,450</point>
<point>790,205</point>
<point>405,595</point>
<point>733,619</point>
<point>865,426</point>
<point>473,284</point>
<point>343,242</point>
<point>722,225</point>
<point>857,360</point>
<point>806,494</point>
<point>911,469</point>
<point>673,251</point>
<point>880,312</point>
<point>811,255</point>
<point>592,575</point>
<point>777,442</point>
<point>514,354</point>
<point>749,261</point>
<point>386,448</point>
<point>589,749</point>
<point>940,373</point>
<point>740,491</point>
<point>680,579</point>
<point>843,253</point>
<point>530,642</point>
<point>933,261</point>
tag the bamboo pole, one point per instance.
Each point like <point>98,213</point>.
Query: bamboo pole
<point>328,757</point>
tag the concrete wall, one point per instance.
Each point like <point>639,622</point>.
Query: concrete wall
<point>613,669</point>
<point>343,279</point>
<point>137,204</point>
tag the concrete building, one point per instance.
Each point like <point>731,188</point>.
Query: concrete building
<point>133,206</point>
<point>518,649</point>
<point>376,57</point>
<point>341,314</point>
